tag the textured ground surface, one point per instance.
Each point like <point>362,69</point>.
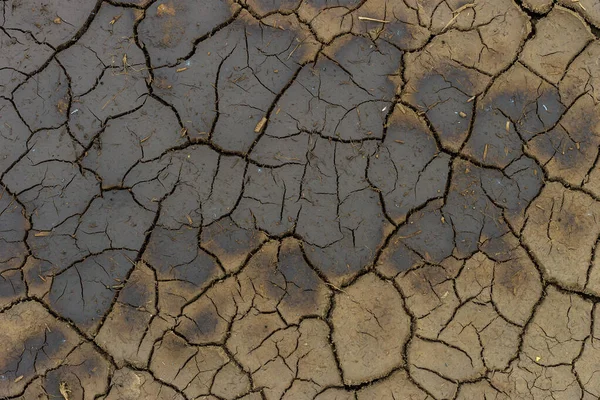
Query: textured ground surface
<point>299,199</point>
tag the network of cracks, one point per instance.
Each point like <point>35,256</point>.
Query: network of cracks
<point>299,199</point>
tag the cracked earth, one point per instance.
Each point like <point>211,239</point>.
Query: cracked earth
<point>299,199</point>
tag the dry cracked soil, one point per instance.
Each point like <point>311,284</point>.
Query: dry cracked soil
<point>299,199</point>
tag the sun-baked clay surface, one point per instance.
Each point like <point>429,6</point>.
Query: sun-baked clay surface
<point>299,199</point>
